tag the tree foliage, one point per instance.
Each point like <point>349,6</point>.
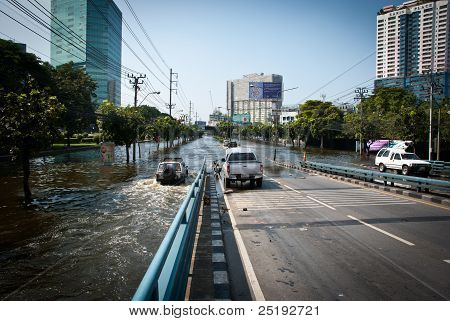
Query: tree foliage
<point>391,113</point>
<point>29,122</point>
<point>75,89</point>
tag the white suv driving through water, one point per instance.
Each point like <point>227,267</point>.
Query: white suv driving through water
<point>399,160</point>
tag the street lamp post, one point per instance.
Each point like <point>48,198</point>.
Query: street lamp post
<point>150,93</point>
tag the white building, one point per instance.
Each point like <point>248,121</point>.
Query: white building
<point>412,38</point>
<point>259,95</point>
<point>288,115</point>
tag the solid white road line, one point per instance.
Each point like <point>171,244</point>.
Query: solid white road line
<point>382,231</point>
<point>248,267</point>
<point>381,204</point>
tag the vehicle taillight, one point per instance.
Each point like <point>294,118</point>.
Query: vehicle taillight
<point>228,169</point>
<point>261,168</point>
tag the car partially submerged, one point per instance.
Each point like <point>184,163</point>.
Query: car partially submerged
<point>171,171</point>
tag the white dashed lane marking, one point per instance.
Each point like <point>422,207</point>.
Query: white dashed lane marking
<point>382,231</point>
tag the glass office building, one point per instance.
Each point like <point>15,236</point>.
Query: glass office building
<point>93,42</point>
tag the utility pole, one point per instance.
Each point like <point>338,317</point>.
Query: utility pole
<point>136,81</point>
<point>171,106</point>
<point>434,87</point>
<point>196,116</point>
<point>361,93</point>
<point>190,111</point>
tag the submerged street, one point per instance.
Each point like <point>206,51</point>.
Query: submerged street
<point>93,229</point>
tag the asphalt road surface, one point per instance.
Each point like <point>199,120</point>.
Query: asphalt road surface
<point>313,238</point>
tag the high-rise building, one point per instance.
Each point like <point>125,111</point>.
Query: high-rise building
<point>215,118</point>
<point>259,95</point>
<point>413,45</point>
<point>96,31</point>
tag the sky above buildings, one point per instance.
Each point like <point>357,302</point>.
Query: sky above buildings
<point>208,42</point>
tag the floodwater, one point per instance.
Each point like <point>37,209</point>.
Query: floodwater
<point>93,229</point>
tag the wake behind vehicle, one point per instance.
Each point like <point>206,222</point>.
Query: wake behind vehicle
<point>240,164</point>
<point>171,171</point>
<point>402,161</point>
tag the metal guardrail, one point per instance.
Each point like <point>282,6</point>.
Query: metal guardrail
<point>167,275</point>
<point>419,183</point>
<point>440,167</point>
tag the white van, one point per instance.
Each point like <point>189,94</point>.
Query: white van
<point>401,161</point>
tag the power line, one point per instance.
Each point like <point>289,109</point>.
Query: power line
<point>338,76</point>
<point>146,34</point>
<point>12,18</point>
<point>87,47</point>
<point>142,46</point>
<point>126,44</point>
<point>63,37</point>
<point>351,88</point>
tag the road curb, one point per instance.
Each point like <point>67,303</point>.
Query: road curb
<point>219,261</point>
<point>395,190</point>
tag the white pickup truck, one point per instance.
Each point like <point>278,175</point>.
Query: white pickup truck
<point>401,161</point>
<point>240,164</point>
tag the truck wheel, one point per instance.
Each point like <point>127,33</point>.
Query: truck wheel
<point>259,182</point>
<point>226,182</point>
<point>405,170</point>
<point>252,183</point>
<point>381,167</point>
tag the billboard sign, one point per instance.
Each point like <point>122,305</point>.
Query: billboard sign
<point>107,152</point>
<point>241,118</point>
<point>264,90</point>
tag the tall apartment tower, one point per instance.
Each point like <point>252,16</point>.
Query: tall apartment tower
<point>99,24</point>
<point>412,42</point>
<point>259,95</point>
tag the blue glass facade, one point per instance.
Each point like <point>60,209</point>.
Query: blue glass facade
<point>419,84</point>
<point>99,24</point>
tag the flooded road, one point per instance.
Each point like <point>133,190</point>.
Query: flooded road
<point>93,228</point>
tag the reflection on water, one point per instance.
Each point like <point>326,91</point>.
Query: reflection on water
<point>92,228</point>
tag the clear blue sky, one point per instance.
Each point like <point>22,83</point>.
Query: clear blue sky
<point>211,41</point>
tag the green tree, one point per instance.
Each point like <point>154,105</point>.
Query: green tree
<point>75,89</point>
<point>119,124</point>
<point>319,119</point>
<point>29,122</point>
<point>391,113</point>
<point>17,68</point>
<point>225,128</point>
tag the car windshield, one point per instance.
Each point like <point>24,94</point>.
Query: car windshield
<point>242,157</point>
<point>410,156</point>
<point>176,166</point>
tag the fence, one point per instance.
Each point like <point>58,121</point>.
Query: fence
<point>419,183</point>
<point>440,168</point>
<point>166,277</point>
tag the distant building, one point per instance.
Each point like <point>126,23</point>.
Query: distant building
<point>412,40</point>
<point>99,24</point>
<point>215,117</point>
<point>259,95</point>
<point>22,47</point>
<point>288,115</point>
<point>200,124</point>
